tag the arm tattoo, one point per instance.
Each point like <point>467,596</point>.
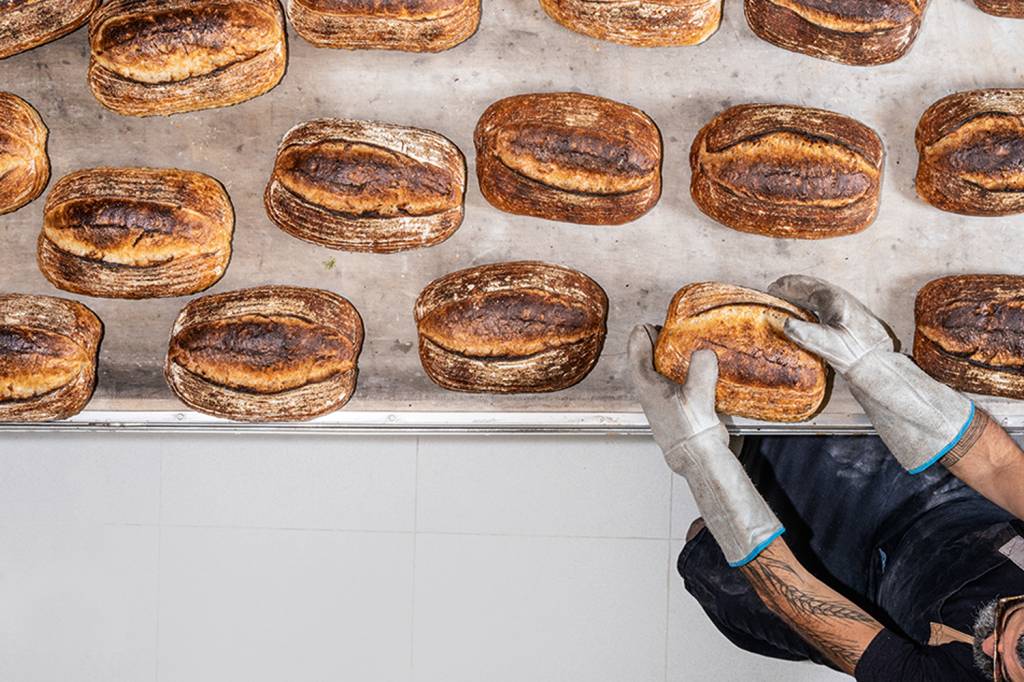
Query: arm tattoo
<point>968,440</point>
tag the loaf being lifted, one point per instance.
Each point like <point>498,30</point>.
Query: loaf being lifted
<point>761,373</point>
<point>160,57</point>
<point>366,186</point>
<point>520,327</point>
<point>24,165</point>
<point>647,23</point>
<point>25,24</point>
<point>786,171</point>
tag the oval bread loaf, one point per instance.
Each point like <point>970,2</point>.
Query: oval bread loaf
<point>761,373</point>
<point>25,24</point>
<point>519,327</point>
<point>785,171</point>
<point>135,232</point>
<point>648,23</point>
<point>570,157</point>
<point>366,186</point>
<point>161,57</point>
<point>48,349</point>
<point>1002,8</point>
<point>272,353</point>
<point>971,147</point>
<point>24,165</point>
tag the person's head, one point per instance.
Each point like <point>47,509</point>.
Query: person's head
<point>999,639</point>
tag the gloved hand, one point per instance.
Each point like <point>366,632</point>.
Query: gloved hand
<point>696,446</point>
<point>918,418</point>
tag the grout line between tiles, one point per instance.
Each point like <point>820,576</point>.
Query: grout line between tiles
<point>415,535</point>
<point>159,555</point>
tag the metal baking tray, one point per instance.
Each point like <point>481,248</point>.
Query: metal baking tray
<point>518,49</point>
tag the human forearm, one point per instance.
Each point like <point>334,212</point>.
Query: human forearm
<point>990,462</point>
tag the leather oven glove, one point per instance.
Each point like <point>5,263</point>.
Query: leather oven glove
<point>918,418</point>
<point>696,446</point>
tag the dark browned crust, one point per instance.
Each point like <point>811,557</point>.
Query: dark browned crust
<point>762,374</point>
<point>582,139</point>
<point>848,31</point>
<point>519,327</point>
<point>24,26</point>
<point>1013,9</point>
<point>24,165</point>
<point>251,71</point>
<point>328,329</point>
<point>135,233</point>
<point>408,25</point>
<point>650,23</point>
<point>414,167</point>
<point>786,171</point>
<point>969,333</point>
<point>36,331</point>
<point>971,147</point>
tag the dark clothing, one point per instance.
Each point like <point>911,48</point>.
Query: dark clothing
<point>910,550</point>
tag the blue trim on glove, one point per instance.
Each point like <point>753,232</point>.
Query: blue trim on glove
<point>950,446</point>
<point>757,550</point>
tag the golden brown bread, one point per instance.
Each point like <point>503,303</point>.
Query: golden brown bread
<point>410,25</point>
<point>48,349</point>
<point>762,374</point>
<point>24,165</point>
<point>519,327</point>
<point>785,171</point>
<point>971,147</point>
<point>366,186</point>
<point>1002,8</point>
<point>969,333</point>
<point>161,57</point>
<point>25,24</point>
<point>648,23</point>
<point>135,232</point>
<point>570,157</point>
<point>848,31</point>
<point>271,353</point>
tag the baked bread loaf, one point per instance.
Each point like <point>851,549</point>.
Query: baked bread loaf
<point>969,333</point>
<point>269,354</point>
<point>410,25</point>
<point>785,171</point>
<point>648,23</point>
<point>24,166</point>
<point>971,148</point>
<point>1002,8</point>
<point>520,327</point>
<point>25,24</point>
<point>761,373</point>
<point>847,31</point>
<point>48,349</point>
<point>161,57</point>
<point>366,186</point>
<point>135,232</point>
<point>569,157</point>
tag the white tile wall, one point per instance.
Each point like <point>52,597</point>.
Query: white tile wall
<point>309,559</point>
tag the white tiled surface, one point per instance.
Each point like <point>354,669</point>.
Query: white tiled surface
<point>311,559</point>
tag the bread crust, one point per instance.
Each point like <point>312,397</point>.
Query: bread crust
<point>408,25</point>
<point>762,374</point>
<point>366,186</point>
<point>971,153</point>
<point>969,333</point>
<point>570,157</point>
<point>648,23</point>
<point>516,327</point>
<point>25,24</point>
<point>787,171</point>
<point>266,354</point>
<point>48,355</point>
<point>162,57</point>
<point>1013,9</point>
<point>846,31</point>
<point>135,233</point>
<point>24,164</point>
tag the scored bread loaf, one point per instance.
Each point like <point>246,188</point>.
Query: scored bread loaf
<point>518,327</point>
<point>1002,8</point>
<point>366,186</point>
<point>161,57</point>
<point>25,24</point>
<point>647,23</point>
<point>24,165</point>
<point>786,171</point>
<point>272,353</point>
<point>569,157</point>
<point>761,373</point>
<point>135,232</point>
<point>48,349</point>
